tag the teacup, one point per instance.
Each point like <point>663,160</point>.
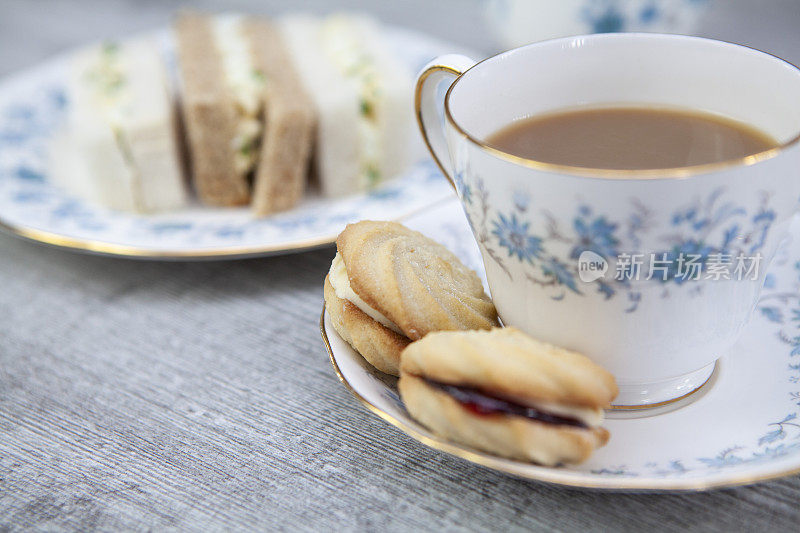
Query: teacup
<point>560,243</point>
<point>518,22</point>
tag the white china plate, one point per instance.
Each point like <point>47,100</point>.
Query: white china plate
<point>741,428</point>
<point>32,108</point>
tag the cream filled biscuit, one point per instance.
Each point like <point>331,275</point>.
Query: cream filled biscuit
<point>506,393</point>
<point>415,282</point>
<point>389,285</point>
<point>379,345</point>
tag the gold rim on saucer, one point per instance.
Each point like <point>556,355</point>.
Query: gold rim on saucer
<point>136,252</point>
<point>700,388</point>
<point>556,476</point>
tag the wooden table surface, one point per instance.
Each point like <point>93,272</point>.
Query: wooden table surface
<point>198,396</point>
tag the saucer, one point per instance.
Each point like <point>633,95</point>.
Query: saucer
<point>741,427</point>
<point>32,107</point>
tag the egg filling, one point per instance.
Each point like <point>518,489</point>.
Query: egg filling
<point>246,83</point>
<point>110,90</point>
<point>352,58</point>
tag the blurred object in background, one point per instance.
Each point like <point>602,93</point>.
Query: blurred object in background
<point>518,22</point>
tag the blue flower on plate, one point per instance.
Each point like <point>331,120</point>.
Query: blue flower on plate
<point>58,97</point>
<point>648,14</point>
<point>773,314</point>
<point>32,196</point>
<point>386,193</point>
<point>164,228</point>
<point>513,236</point>
<point>607,19</point>
<point>725,458</point>
<point>28,174</point>
<point>230,232</point>
<point>291,223</point>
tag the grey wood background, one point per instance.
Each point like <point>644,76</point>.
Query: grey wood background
<point>169,396</point>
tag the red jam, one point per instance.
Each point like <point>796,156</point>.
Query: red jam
<point>480,403</point>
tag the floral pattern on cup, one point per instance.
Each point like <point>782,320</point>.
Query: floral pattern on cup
<point>706,234</point>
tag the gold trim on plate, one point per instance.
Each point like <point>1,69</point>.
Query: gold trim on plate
<point>540,473</point>
<point>137,252</point>
<point>661,173</point>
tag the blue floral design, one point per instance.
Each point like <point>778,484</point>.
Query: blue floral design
<point>560,273</point>
<point>514,236</point>
<point>677,269</point>
<point>703,230</point>
<point>522,200</point>
<point>170,227</point>
<point>648,14</point>
<point>780,430</point>
<point>462,188</point>
<point>595,234</point>
<point>762,221</point>
<point>28,174</point>
<point>466,194</point>
<point>773,314</point>
<point>603,17</point>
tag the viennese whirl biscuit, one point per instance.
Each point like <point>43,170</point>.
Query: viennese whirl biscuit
<point>506,393</point>
<point>389,285</point>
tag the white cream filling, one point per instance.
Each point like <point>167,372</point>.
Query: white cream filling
<point>246,83</point>
<point>341,42</point>
<point>591,417</point>
<point>341,286</point>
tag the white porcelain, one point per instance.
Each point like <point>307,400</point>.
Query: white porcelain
<point>32,107</point>
<point>518,22</point>
<point>740,428</point>
<point>534,220</point>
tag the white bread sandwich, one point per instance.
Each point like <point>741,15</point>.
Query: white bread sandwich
<point>362,95</point>
<point>120,148</point>
<point>245,112</point>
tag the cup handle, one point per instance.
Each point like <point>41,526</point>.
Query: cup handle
<point>429,111</point>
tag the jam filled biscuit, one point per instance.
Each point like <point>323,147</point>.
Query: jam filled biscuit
<point>389,285</point>
<point>508,394</point>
